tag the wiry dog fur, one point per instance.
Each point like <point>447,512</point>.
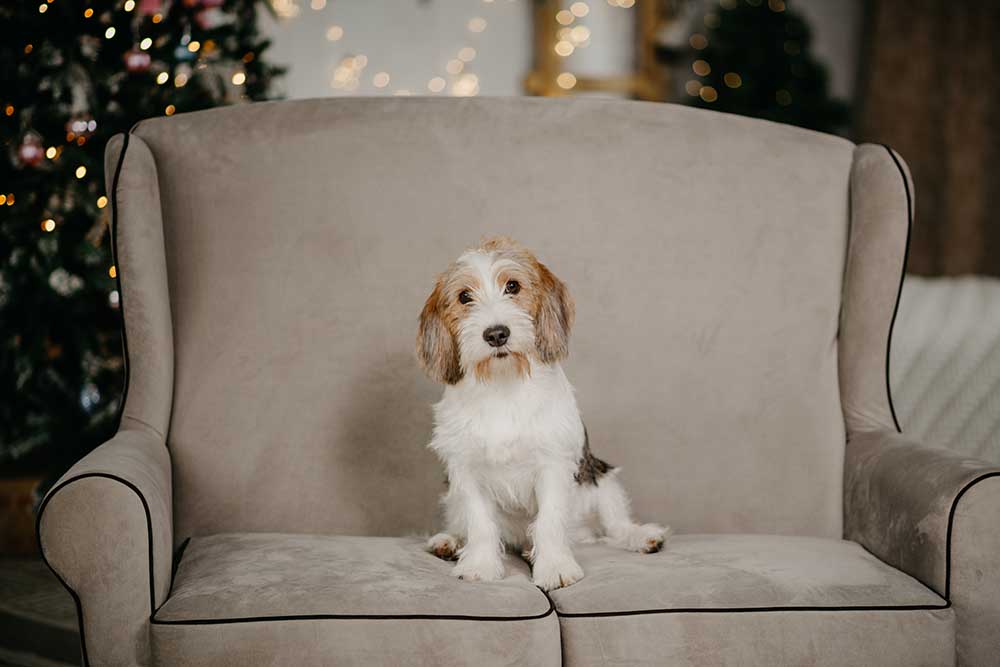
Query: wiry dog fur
<point>520,470</point>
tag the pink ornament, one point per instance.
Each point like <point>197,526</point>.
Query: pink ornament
<point>30,153</point>
<point>149,7</point>
<point>137,61</point>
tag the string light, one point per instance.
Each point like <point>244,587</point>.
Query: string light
<point>334,33</point>
<point>43,8</point>
<point>579,9</point>
<point>10,199</point>
<point>708,93</point>
<point>466,86</point>
<point>467,54</point>
<point>3,199</point>
<point>81,171</point>
<point>157,17</point>
<point>564,17</point>
<point>145,43</point>
<point>180,80</point>
<point>477,24</point>
<point>437,84</point>
<point>48,225</point>
<point>455,66</point>
<point>170,110</point>
<point>579,35</point>
<point>51,152</point>
<point>194,46</point>
<point>162,78</point>
<point>564,48</point>
<point>102,201</point>
<point>701,67</point>
<point>88,12</point>
<point>239,79</point>
<point>317,4</point>
<point>566,80</point>
<point>129,5</point>
<point>113,272</point>
<point>28,48</point>
<point>698,41</point>
<point>733,80</point>
<point>109,33</point>
<point>9,110</point>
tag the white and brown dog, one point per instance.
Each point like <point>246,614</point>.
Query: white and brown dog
<point>519,467</point>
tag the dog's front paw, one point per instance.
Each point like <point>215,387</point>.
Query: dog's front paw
<point>556,572</point>
<point>479,567</point>
<point>444,546</point>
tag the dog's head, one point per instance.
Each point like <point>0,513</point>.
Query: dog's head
<point>491,313</point>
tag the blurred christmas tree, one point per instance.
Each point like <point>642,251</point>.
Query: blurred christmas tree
<point>753,58</point>
<point>72,74</point>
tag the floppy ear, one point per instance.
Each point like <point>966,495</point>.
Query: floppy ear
<point>436,348</point>
<point>555,317</point>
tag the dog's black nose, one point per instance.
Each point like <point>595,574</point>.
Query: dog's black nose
<point>496,335</point>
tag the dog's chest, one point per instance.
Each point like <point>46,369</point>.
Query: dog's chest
<point>517,428</point>
<point>505,434</point>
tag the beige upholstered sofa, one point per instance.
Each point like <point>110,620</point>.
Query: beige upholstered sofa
<point>736,284</point>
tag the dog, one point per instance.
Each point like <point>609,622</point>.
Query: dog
<point>519,469</point>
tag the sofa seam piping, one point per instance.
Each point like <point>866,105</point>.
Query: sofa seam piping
<point>902,279</point>
<point>348,617</point>
<point>951,525</point>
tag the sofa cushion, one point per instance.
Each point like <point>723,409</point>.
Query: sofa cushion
<point>308,599</point>
<point>749,600</point>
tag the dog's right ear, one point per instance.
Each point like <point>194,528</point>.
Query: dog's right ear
<point>436,347</point>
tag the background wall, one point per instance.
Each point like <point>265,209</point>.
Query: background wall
<point>413,40</point>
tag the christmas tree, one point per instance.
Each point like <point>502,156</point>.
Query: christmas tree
<point>752,57</point>
<point>74,73</point>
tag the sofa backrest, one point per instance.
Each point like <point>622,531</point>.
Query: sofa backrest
<point>706,253</point>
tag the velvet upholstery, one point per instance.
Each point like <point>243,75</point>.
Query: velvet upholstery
<point>356,600</point>
<point>302,239</point>
<point>750,599</point>
<point>735,284</point>
<point>96,528</point>
<point>933,514</point>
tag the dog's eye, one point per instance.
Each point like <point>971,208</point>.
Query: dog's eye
<point>512,287</point>
<point>464,297</point>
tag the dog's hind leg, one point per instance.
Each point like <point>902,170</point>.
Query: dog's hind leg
<point>620,530</point>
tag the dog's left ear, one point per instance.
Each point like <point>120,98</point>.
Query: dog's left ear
<point>554,318</point>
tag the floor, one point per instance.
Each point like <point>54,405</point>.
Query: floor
<point>38,626</point>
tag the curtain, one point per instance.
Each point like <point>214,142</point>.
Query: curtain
<point>930,88</point>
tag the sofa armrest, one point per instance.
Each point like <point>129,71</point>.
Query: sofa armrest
<point>936,516</point>
<point>105,530</point>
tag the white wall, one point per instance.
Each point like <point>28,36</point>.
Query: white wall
<point>413,40</point>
